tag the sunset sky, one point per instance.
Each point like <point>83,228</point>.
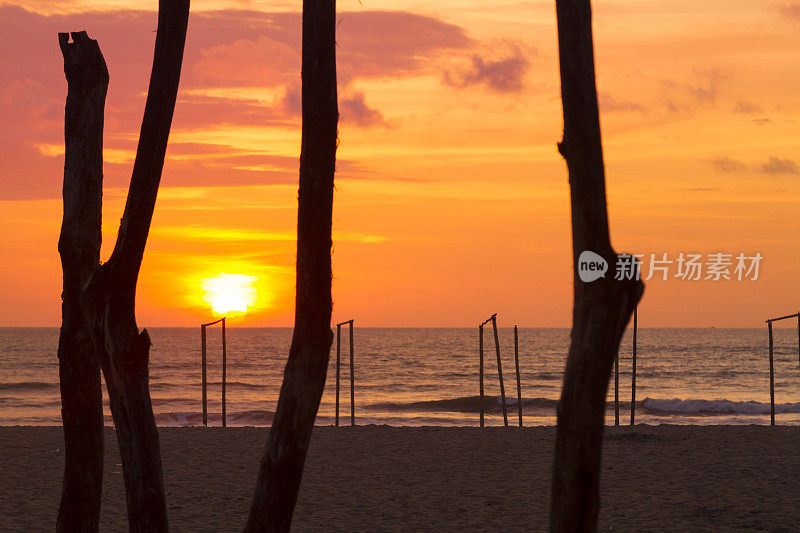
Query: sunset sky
<point>452,201</point>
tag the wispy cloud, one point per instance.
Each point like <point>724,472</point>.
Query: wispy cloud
<point>747,107</point>
<point>727,164</point>
<point>776,165</point>
<point>791,10</point>
<point>773,165</point>
<point>707,88</point>
<point>353,109</point>
<point>609,103</point>
<point>239,74</point>
<point>501,70</point>
<point>207,233</point>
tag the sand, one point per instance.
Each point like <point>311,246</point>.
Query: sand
<point>665,478</point>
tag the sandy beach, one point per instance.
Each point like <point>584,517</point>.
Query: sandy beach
<point>665,478</point>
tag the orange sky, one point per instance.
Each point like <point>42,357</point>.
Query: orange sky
<point>451,199</point>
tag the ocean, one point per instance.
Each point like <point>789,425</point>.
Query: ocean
<point>429,376</point>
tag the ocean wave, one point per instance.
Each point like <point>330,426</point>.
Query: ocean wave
<point>29,386</point>
<point>697,407</point>
<point>461,404</point>
<point>548,376</point>
<point>18,403</point>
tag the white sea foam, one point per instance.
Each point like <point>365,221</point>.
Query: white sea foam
<point>715,407</point>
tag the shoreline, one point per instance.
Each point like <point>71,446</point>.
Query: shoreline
<point>658,478</point>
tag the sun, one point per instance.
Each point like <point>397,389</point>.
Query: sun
<point>229,293</point>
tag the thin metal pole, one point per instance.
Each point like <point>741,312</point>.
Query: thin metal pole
<point>633,366</point>
<point>519,384</point>
<point>781,318</point>
<point>500,370</point>
<point>224,372</point>
<point>616,389</point>
<point>338,365</point>
<point>203,364</point>
<point>771,379</point>
<point>480,371</point>
<point>352,381</point>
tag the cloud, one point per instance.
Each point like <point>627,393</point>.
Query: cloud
<point>707,90</point>
<point>727,164</point>
<point>703,91</point>
<point>258,62</point>
<point>791,10</point>
<point>501,70</point>
<point>228,53</point>
<point>377,44</point>
<point>775,165</point>
<point>206,233</point>
<point>197,111</point>
<point>353,109</point>
<point>249,48</point>
<point>611,104</point>
<point>747,107</point>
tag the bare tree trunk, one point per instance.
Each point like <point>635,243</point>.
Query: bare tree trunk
<point>107,298</point>
<point>602,308</point>
<point>79,247</point>
<point>281,467</point>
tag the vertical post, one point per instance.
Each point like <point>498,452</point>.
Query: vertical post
<point>480,369</point>
<point>519,384</point>
<point>500,371</point>
<point>224,372</point>
<point>616,389</point>
<point>338,364</point>
<point>352,381</point>
<point>203,358</point>
<point>771,379</point>
<point>798,336</point>
<point>633,366</point>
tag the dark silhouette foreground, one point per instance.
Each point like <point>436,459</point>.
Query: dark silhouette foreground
<point>602,308</point>
<point>281,468</point>
<point>99,323</point>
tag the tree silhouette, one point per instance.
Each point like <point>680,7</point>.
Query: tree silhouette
<point>99,299</point>
<point>281,467</point>
<point>79,247</point>
<point>602,308</point>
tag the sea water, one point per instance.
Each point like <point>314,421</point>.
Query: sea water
<point>429,376</point>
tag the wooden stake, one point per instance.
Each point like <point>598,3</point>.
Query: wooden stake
<point>480,370</point>
<point>205,393</point>
<point>224,371</point>
<point>352,381</point>
<point>771,379</point>
<point>519,385</point>
<point>500,370</point>
<point>633,366</point>
<point>338,364</point>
